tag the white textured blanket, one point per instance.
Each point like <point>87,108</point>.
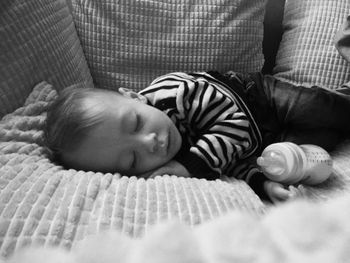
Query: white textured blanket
<point>293,233</point>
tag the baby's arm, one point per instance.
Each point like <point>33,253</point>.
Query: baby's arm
<point>172,168</point>
<point>219,131</point>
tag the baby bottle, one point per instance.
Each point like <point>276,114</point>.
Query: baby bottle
<point>290,163</point>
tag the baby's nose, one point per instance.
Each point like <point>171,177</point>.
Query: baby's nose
<point>150,142</point>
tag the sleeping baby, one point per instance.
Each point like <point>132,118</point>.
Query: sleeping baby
<point>203,124</point>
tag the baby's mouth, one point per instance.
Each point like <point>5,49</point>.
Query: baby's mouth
<point>164,144</point>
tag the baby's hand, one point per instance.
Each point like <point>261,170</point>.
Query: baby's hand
<point>278,192</point>
<point>171,168</point>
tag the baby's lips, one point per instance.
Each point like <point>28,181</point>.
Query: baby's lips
<point>163,145</point>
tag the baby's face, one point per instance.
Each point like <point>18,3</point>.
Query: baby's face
<point>133,138</point>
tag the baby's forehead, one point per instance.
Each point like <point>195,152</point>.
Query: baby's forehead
<point>100,97</point>
<point>94,103</point>
<point>101,102</point>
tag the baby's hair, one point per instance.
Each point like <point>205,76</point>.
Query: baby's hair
<point>70,118</point>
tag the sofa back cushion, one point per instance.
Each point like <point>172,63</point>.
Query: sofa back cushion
<point>307,54</point>
<point>129,43</point>
<point>38,42</point>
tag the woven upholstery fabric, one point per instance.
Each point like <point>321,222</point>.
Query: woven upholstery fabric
<point>42,203</point>
<point>129,43</point>
<point>307,53</point>
<point>38,42</point>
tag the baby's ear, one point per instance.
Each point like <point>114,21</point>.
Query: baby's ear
<point>132,95</point>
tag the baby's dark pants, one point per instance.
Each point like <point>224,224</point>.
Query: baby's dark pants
<point>285,112</point>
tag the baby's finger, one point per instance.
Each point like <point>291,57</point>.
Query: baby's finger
<point>276,191</point>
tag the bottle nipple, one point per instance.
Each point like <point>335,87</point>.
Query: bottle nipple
<point>272,163</point>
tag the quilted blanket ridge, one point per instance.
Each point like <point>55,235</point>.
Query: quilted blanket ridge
<point>316,233</point>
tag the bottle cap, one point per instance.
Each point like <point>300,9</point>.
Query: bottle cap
<point>282,162</point>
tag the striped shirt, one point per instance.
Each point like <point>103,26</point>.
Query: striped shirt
<point>218,131</point>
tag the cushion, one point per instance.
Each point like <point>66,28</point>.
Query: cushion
<point>342,40</point>
<point>42,203</point>
<point>297,232</point>
<point>307,53</point>
<point>38,41</point>
<point>129,43</point>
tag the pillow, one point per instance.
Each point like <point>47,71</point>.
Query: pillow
<point>342,40</point>
<point>307,54</point>
<point>40,202</point>
<point>129,43</point>
<point>38,41</point>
